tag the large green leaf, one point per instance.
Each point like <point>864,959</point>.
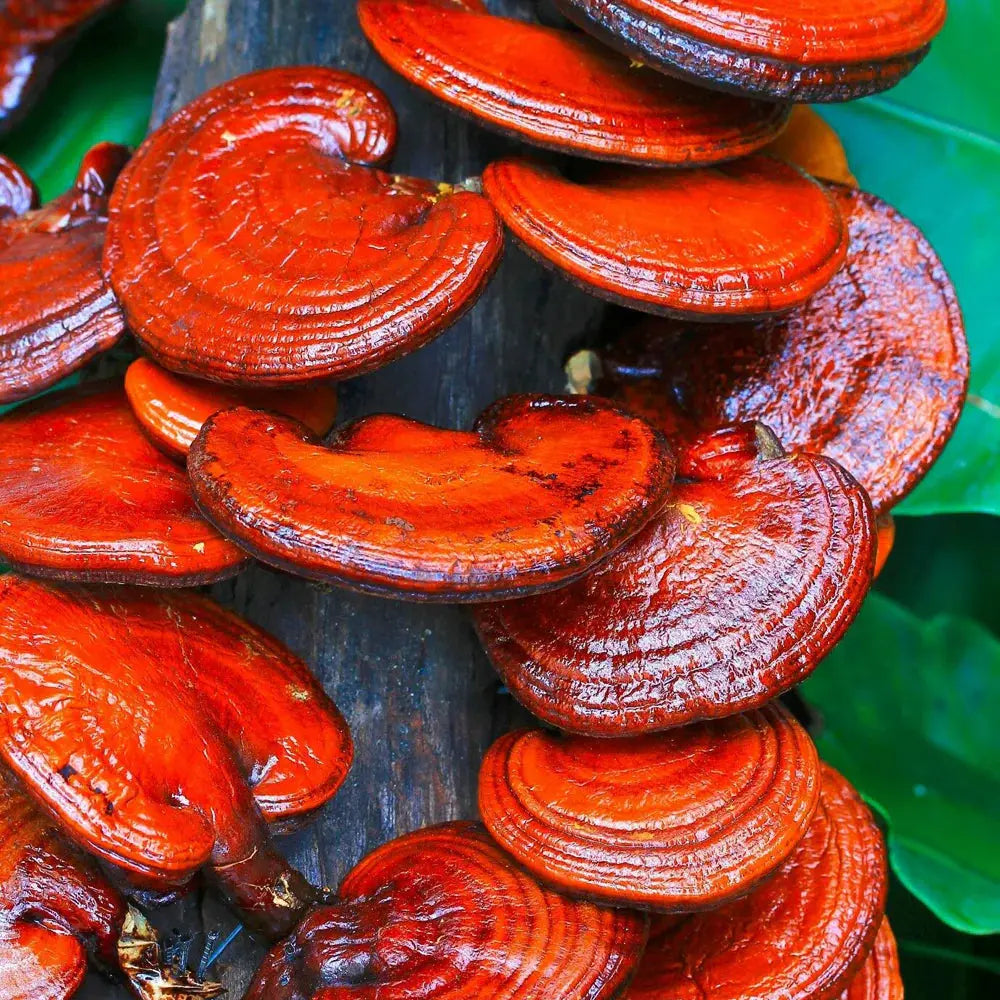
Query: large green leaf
<point>910,712</point>
<point>932,147</point>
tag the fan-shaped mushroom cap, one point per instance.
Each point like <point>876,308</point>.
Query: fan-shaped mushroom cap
<point>84,496</point>
<point>288,257</point>
<point>149,723</point>
<point>56,310</point>
<point>879,978</point>
<point>535,495</point>
<point>443,914</point>
<point>743,239</point>
<point>733,594</point>
<point>559,89</point>
<point>797,50</point>
<point>683,820</point>
<point>802,935</point>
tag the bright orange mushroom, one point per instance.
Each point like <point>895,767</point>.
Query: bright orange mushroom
<point>17,190</point>
<point>886,539</point>
<point>879,978</point>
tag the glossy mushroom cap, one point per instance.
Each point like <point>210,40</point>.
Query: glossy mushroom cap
<point>289,257</point>
<point>744,239</point>
<point>734,593</point>
<point>162,731</point>
<point>879,978</point>
<point>443,914</point>
<point>56,310</point>
<point>559,89</point>
<point>872,372</point>
<point>535,495</point>
<point>84,496</point>
<point>796,50</point>
<point>803,935</point>
<point>173,408</point>
<point>677,821</point>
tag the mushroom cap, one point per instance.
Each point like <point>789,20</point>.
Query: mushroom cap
<point>740,240</point>
<point>797,50</point>
<point>559,89</point>
<point>676,821</point>
<point>534,496</point>
<point>879,978</point>
<point>803,935</point>
<point>84,496</point>
<point>288,257</point>
<point>735,591</point>
<point>172,408</point>
<point>56,310</point>
<point>442,913</point>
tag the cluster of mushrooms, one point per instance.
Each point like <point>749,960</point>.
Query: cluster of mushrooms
<point>650,562</point>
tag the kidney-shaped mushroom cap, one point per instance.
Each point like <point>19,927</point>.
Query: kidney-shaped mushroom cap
<point>161,730</point>
<point>803,935</point>
<point>797,50</point>
<point>539,491</point>
<point>560,89</point>
<point>56,309</point>
<point>172,408</point>
<point>252,241</point>
<point>84,496</point>
<point>443,914</point>
<point>743,239</point>
<point>733,594</point>
<point>879,978</point>
<point>871,372</point>
<point>683,820</point>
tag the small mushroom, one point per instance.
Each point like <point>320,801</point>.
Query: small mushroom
<point>443,914</point>
<point>744,582</point>
<point>559,89</point>
<point>538,492</point>
<point>163,732</point>
<point>795,50</point>
<point>879,978</point>
<point>84,496</point>
<point>677,821</point>
<point>810,143</point>
<point>289,255</point>
<point>740,240</point>
<point>172,408</point>
<point>56,310</point>
<point>803,935</point>
<point>886,526</point>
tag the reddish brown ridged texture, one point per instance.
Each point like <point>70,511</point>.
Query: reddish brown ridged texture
<point>84,496</point>
<point>54,905</point>
<point>535,495</point>
<point>172,408</point>
<point>559,89</point>
<point>810,143</point>
<point>743,239</point>
<point>56,310</point>
<point>162,730</point>
<point>34,35</point>
<point>733,594</point>
<point>678,821</point>
<point>17,190</point>
<point>879,978</point>
<point>801,50</point>
<point>872,372</point>
<point>443,914</point>
<point>346,269</point>
<point>803,935</point>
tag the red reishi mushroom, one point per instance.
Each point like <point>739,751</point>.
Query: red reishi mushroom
<point>540,490</point>
<point>559,89</point>
<point>743,239</point>
<point>734,593</point>
<point>443,914</point>
<point>56,310</point>
<point>84,496</point>
<point>173,408</point>
<point>289,256</point>
<point>872,371</point>
<point>886,527</point>
<point>796,50</point>
<point>163,732</point>
<point>677,821</point>
<point>803,935</point>
<point>879,978</point>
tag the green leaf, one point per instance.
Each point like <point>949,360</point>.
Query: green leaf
<point>931,147</point>
<point>910,713</point>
